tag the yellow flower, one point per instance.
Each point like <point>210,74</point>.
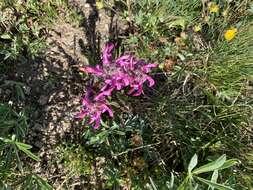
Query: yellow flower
<point>99,5</point>
<point>214,8</point>
<point>230,34</point>
<point>197,28</point>
<point>161,66</point>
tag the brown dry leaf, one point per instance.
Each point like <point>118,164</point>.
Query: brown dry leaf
<point>43,1</point>
<point>29,23</point>
<point>163,40</point>
<point>179,41</point>
<point>151,48</point>
<point>183,35</point>
<point>139,163</point>
<point>137,140</point>
<point>169,63</point>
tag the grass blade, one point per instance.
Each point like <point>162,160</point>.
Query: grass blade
<point>211,166</point>
<point>193,163</point>
<point>214,185</point>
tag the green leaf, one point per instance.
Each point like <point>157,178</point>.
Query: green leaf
<point>170,184</point>
<point>23,145</point>
<point>31,155</point>
<point>5,36</point>
<point>184,184</point>
<point>211,166</point>
<point>251,9</point>
<point>180,22</point>
<point>94,140</point>
<point>152,184</point>
<point>214,178</point>
<point>7,141</point>
<point>19,163</point>
<point>229,163</point>
<point>44,184</point>
<point>214,185</point>
<point>25,148</point>
<point>193,163</point>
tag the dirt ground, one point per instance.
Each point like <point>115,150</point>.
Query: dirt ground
<point>54,88</point>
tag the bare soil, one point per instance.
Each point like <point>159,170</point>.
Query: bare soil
<point>54,87</point>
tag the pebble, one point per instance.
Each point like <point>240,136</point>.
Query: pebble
<point>43,100</point>
<point>38,144</point>
<point>86,5</point>
<point>61,95</point>
<point>27,90</point>
<point>38,127</point>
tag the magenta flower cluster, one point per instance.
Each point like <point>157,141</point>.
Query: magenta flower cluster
<point>116,74</point>
<point>93,109</point>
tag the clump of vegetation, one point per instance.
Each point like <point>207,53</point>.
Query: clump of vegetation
<point>15,172</point>
<point>125,71</point>
<point>24,26</point>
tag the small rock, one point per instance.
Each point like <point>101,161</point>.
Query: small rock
<point>29,79</point>
<point>65,125</point>
<point>35,65</point>
<point>52,97</point>
<point>37,89</point>
<point>86,5</point>
<point>51,126</point>
<point>43,100</point>
<point>61,95</point>
<point>27,90</point>
<point>8,92</point>
<point>38,144</point>
<point>60,166</point>
<point>38,127</point>
<point>54,118</point>
<point>33,134</point>
<point>65,65</point>
<point>35,114</point>
<point>53,133</point>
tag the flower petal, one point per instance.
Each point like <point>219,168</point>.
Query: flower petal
<point>124,61</point>
<point>104,93</point>
<point>81,114</point>
<point>147,68</point>
<point>150,80</point>
<point>107,53</point>
<point>104,87</point>
<point>108,109</point>
<point>85,102</point>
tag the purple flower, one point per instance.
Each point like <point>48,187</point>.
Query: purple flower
<point>120,73</point>
<point>93,109</point>
<point>107,53</point>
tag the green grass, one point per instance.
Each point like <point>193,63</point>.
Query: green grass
<point>204,104</point>
<point>201,106</point>
<point>231,65</point>
<point>15,172</point>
